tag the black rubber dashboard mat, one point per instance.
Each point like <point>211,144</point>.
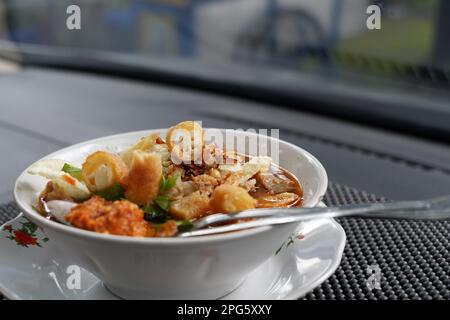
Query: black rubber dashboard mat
<point>413,256</point>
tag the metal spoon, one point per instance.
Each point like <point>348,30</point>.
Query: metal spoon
<point>433,209</point>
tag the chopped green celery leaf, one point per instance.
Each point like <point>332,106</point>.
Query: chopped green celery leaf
<point>115,192</point>
<point>73,171</point>
<point>163,201</point>
<point>184,225</point>
<point>162,183</point>
<point>168,183</point>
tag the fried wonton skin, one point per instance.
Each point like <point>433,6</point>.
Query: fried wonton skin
<point>119,217</point>
<point>228,198</point>
<point>142,183</point>
<point>101,170</point>
<point>275,183</point>
<point>279,200</point>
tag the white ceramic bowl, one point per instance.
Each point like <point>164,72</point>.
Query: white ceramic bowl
<point>170,268</point>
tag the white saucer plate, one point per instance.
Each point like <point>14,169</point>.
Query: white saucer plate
<point>31,267</point>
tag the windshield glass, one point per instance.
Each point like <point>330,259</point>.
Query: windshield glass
<point>282,33</point>
<point>296,46</point>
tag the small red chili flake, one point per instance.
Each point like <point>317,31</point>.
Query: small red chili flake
<point>7,228</point>
<point>300,237</point>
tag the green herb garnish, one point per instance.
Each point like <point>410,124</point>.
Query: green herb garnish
<point>154,214</point>
<point>184,225</point>
<point>167,183</point>
<point>113,193</point>
<point>157,213</point>
<point>73,171</point>
<point>163,201</point>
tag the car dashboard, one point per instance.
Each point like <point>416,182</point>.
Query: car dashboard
<point>43,110</point>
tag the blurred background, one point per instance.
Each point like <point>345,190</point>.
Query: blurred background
<point>290,33</point>
<point>372,104</point>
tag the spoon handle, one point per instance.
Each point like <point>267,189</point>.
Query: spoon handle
<point>433,209</point>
